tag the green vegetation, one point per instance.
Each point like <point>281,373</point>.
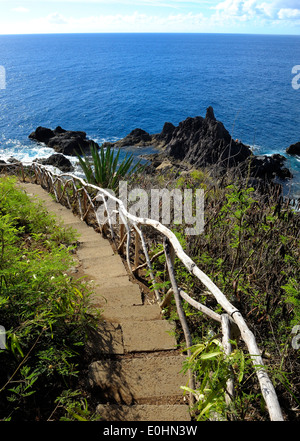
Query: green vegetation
<point>250,248</point>
<point>212,370</point>
<point>44,311</point>
<point>104,168</point>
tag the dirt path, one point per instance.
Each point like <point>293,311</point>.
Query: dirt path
<point>137,373</point>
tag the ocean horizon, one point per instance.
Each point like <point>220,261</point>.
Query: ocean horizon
<point>109,84</point>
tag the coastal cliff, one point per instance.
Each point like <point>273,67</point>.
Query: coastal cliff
<point>198,141</point>
<point>203,142</point>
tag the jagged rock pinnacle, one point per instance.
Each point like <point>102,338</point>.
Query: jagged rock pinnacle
<point>210,114</point>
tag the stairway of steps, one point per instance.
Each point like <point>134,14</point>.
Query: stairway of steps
<point>137,373</point>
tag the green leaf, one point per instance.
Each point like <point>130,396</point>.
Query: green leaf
<point>15,345</point>
<point>210,355</point>
<point>242,368</point>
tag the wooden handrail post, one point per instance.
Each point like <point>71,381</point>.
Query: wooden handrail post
<point>180,311</point>
<point>122,236</point>
<point>59,190</point>
<point>136,250</point>
<point>84,201</point>
<point>22,169</point>
<point>225,322</point>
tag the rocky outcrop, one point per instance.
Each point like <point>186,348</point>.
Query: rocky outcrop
<point>203,142</point>
<point>2,163</point>
<point>270,167</point>
<point>136,137</point>
<point>294,149</point>
<point>42,134</point>
<point>67,142</point>
<point>141,138</point>
<point>57,160</point>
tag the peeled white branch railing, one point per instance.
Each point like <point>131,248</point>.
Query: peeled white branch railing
<point>232,319</point>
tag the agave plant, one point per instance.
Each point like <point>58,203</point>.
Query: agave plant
<point>103,168</point>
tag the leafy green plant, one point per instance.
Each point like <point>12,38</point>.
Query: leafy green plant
<point>45,312</point>
<point>250,248</point>
<point>104,168</point>
<point>212,370</point>
<point>292,298</point>
<point>74,407</point>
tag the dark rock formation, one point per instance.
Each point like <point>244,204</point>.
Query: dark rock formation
<point>166,134</point>
<point>294,149</point>
<point>2,163</point>
<point>63,141</point>
<point>203,142</point>
<point>42,134</point>
<point>57,160</point>
<point>270,167</point>
<point>13,160</point>
<point>136,137</point>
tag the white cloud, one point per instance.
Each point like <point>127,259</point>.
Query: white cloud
<point>232,7</point>
<point>56,18</point>
<point>186,16</point>
<point>289,14</point>
<point>268,10</point>
<point>170,3</point>
<point>244,10</point>
<point>139,22</point>
<point>20,9</point>
<point>131,22</point>
<point>235,10</point>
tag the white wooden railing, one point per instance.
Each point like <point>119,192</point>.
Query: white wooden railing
<point>83,198</point>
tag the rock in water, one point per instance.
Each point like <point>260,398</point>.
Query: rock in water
<point>67,142</point>
<point>203,142</point>
<point>42,134</point>
<point>136,137</point>
<point>57,160</point>
<point>294,149</point>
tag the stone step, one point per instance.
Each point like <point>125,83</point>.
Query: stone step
<point>141,380</point>
<point>107,339</point>
<point>87,232</point>
<point>121,338</point>
<point>148,336</point>
<point>105,283</point>
<point>131,313</point>
<point>92,242</point>
<point>126,295</point>
<point>100,268</point>
<point>98,251</point>
<point>144,412</point>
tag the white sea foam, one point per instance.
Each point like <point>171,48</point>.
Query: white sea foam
<point>27,152</point>
<point>22,151</point>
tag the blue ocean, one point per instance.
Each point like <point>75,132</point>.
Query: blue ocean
<point>110,84</point>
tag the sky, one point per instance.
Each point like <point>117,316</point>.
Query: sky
<point>77,16</point>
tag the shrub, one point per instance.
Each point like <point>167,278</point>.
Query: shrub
<point>104,168</point>
<point>44,311</point>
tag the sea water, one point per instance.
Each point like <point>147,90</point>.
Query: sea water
<point>110,84</point>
